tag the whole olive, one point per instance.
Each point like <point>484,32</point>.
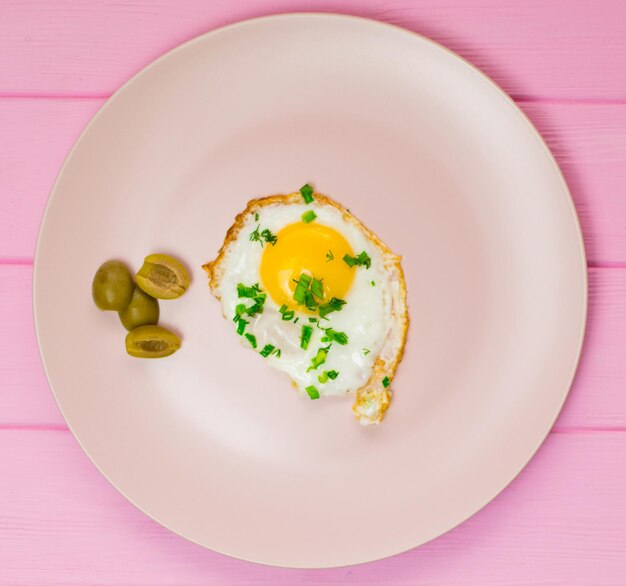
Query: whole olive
<point>112,286</point>
<point>142,310</point>
<point>163,277</point>
<point>151,342</point>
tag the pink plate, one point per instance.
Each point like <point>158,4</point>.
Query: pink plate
<point>437,161</point>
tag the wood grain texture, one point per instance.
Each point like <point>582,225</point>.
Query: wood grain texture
<point>557,49</point>
<point>561,523</point>
<point>62,523</point>
<point>597,398</point>
<point>36,137</point>
<point>589,142</point>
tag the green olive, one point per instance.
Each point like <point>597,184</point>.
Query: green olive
<point>112,286</point>
<point>163,277</point>
<point>151,342</point>
<point>142,310</point>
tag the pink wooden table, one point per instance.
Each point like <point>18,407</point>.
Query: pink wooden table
<point>561,522</point>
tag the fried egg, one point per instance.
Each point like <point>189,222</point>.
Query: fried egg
<point>316,295</point>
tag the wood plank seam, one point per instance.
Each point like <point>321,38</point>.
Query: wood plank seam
<point>519,98</point>
<point>579,429</point>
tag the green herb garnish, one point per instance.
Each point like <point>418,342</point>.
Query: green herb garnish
<point>386,382</point>
<point>312,392</point>
<point>313,320</point>
<point>256,235</point>
<point>256,294</point>
<point>365,351</point>
<point>307,193</point>
<point>330,256</point>
<point>363,260</point>
<point>286,314</point>
<point>302,287</point>
<point>334,304</point>
<point>309,301</point>
<point>295,321</point>
<point>256,216</point>
<point>308,216</point>
<point>372,283</point>
<point>252,339</point>
<point>241,326</point>
<point>317,288</point>
<point>267,350</point>
<point>335,336</point>
<point>305,337</point>
<point>243,291</point>
<point>269,237</point>
<point>327,374</point>
<point>257,307</point>
<point>318,359</point>
<point>239,311</point>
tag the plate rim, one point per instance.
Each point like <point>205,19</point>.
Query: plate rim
<point>331,16</point>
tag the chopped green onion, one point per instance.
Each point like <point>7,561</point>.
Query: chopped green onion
<point>313,320</point>
<point>256,294</point>
<point>252,339</point>
<point>330,256</point>
<point>295,321</point>
<point>241,326</point>
<point>317,288</point>
<point>301,288</point>
<point>363,260</point>
<point>286,314</point>
<point>327,374</point>
<point>267,350</point>
<point>239,310</point>
<point>372,283</point>
<point>318,359</point>
<point>276,352</point>
<point>312,392</point>
<point>308,216</point>
<point>256,216</point>
<point>365,351</point>
<point>325,339</point>
<point>257,307</point>
<point>307,193</point>
<point>339,337</point>
<point>386,382</point>
<point>243,291</point>
<point>334,304</point>
<point>305,337</point>
<point>309,301</point>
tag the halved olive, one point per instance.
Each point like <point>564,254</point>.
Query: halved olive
<point>112,286</point>
<point>142,310</point>
<point>163,277</point>
<point>151,342</point>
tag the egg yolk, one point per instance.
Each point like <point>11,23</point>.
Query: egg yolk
<point>311,248</point>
